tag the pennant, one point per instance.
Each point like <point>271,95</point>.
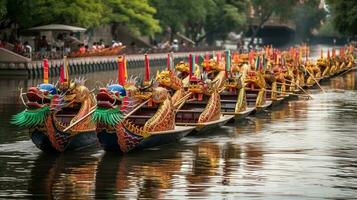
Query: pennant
<point>121,70</point>
<point>228,62</point>
<point>207,61</point>
<point>147,68</point>
<point>190,61</point>
<point>172,64</point>
<point>65,73</point>
<point>168,62</point>
<point>257,62</point>
<point>45,71</point>
<point>125,69</point>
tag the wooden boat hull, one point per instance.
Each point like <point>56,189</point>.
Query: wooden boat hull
<point>110,142</point>
<point>278,101</point>
<point>240,115</point>
<point>200,128</point>
<point>76,142</point>
<point>262,108</point>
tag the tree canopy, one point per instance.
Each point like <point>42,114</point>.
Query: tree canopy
<point>201,19</point>
<point>344,14</point>
<point>136,14</point>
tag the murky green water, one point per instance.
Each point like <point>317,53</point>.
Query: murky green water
<point>300,150</point>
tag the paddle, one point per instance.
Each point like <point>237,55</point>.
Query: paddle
<point>93,109</point>
<point>302,89</point>
<point>314,79</point>
<point>276,92</point>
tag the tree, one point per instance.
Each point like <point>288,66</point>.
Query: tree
<point>185,16</point>
<point>260,11</point>
<point>136,14</point>
<point>307,16</point>
<point>344,14</point>
<point>200,19</point>
<point>228,16</point>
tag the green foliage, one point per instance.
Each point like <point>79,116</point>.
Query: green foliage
<point>136,14</point>
<point>31,118</point>
<point>108,116</point>
<point>199,19</point>
<point>344,14</point>
<point>308,16</point>
<point>228,16</point>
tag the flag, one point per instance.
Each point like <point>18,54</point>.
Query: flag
<point>64,76</point>
<point>257,62</point>
<point>207,61</point>
<point>228,62</point>
<point>191,64</point>
<point>172,60</point>
<point>125,69</point>
<point>45,71</point>
<point>147,68</point>
<point>121,70</point>
<point>168,62</point>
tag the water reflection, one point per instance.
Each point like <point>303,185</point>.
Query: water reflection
<point>63,176</point>
<point>144,175</point>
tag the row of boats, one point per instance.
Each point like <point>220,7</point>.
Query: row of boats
<point>189,98</point>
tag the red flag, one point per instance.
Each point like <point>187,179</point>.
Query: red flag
<point>45,71</point>
<point>62,74</point>
<point>121,70</point>
<point>168,62</point>
<point>190,63</point>
<point>218,57</point>
<point>147,68</point>
<point>207,61</point>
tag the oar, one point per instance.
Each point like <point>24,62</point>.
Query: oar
<point>136,108</point>
<point>314,79</point>
<point>81,119</point>
<point>275,91</point>
<point>302,89</point>
<point>183,99</point>
<point>93,109</point>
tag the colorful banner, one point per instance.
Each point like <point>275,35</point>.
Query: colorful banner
<point>147,68</point>
<point>45,71</point>
<point>228,62</point>
<point>121,70</point>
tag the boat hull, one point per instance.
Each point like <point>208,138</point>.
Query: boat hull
<point>109,141</point>
<point>74,143</point>
<point>200,128</point>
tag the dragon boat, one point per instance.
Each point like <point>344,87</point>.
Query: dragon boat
<point>200,106</point>
<point>232,89</point>
<point>131,117</point>
<point>146,120</point>
<point>50,111</point>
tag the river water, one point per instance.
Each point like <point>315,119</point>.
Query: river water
<point>299,150</point>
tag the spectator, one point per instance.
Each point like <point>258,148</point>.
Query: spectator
<point>82,49</point>
<point>175,45</point>
<point>2,44</point>
<point>115,44</point>
<point>72,43</point>
<point>19,47</point>
<point>28,48</point>
<point>94,46</point>
<point>43,44</point>
<point>101,44</point>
